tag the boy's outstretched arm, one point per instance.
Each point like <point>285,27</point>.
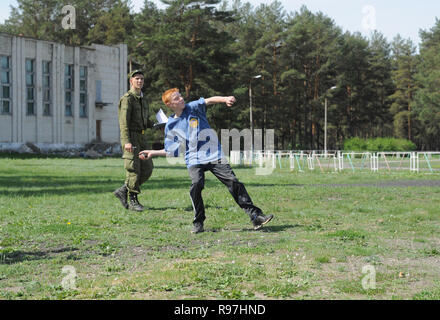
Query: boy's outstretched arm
<point>214,100</point>
<point>148,154</point>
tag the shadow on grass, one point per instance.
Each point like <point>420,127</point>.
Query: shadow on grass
<point>187,208</point>
<point>30,185</point>
<point>264,185</point>
<point>30,156</point>
<point>279,228</point>
<point>161,209</point>
<point>40,185</point>
<point>20,256</point>
<point>271,228</point>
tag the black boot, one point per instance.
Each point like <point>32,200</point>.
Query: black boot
<point>261,220</point>
<point>121,194</point>
<point>134,204</point>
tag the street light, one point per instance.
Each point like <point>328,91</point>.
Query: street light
<point>250,114</point>
<point>325,123</point>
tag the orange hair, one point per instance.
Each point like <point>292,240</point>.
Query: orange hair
<point>166,97</point>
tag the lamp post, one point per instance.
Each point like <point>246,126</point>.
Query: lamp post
<point>250,114</point>
<point>325,123</point>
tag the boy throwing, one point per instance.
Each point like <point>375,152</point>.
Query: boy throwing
<point>188,130</point>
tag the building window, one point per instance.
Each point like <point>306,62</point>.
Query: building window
<point>83,92</point>
<point>47,109</point>
<point>98,91</point>
<point>30,87</point>
<point>68,88</point>
<point>5,85</point>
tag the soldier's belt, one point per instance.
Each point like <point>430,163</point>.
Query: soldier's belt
<point>138,131</point>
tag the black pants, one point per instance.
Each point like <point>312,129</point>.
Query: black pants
<point>224,173</point>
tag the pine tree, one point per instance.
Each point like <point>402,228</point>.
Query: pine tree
<point>311,44</point>
<point>42,19</point>
<point>112,26</point>
<point>268,108</point>
<point>244,29</point>
<point>352,70</point>
<point>404,56</point>
<point>32,18</point>
<point>182,47</point>
<point>427,99</point>
<point>379,86</point>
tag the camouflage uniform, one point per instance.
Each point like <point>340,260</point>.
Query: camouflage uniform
<point>133,115</point>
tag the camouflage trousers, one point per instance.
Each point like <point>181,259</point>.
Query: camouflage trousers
<point>137,171</point>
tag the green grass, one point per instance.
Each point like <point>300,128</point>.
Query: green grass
<point>58,212</point>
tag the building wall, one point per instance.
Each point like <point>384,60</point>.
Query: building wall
<point>111,81</point>
<point>106,64</point>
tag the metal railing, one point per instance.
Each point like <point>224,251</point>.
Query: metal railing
<point>338,161</point>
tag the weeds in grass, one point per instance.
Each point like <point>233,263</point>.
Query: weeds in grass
<point>57,212</point>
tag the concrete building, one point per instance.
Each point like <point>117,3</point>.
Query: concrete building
<point>53,93</point>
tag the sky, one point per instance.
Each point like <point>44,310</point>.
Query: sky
<point>390,17</point>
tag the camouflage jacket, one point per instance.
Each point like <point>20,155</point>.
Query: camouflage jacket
<point>132,114</point>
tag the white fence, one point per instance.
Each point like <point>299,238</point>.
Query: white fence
<point>337,161</point>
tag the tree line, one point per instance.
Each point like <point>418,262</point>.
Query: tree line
<point>373,87</point>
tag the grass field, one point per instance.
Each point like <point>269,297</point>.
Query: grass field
<point>334,235</point>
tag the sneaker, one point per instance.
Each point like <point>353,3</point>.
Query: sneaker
<point>198,228</point>
<point>261,220</point>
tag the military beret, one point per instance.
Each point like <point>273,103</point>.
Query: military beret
<point>135,72</point>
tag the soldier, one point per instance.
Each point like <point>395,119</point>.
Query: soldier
<point>133,115</point>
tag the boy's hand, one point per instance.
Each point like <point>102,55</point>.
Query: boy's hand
<point>230,101</point>
<point>145,155</point>
<point>148,154</point>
